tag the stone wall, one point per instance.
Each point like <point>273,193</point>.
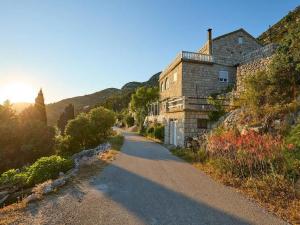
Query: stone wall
<point>190,126</point>
<point>201,80</point>
<point>249,69</point>
<point>227,50</point>
<point>174,77</point>
<point>253,62</point>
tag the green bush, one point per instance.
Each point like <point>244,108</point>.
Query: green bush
<point>13,177</point>
<point>150,131</point>
<point>129,120</point>
<point>159,132</point>
<point>47,168</point>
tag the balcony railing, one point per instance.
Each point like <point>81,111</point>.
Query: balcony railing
<point>191,103</point>
<point>191,56</point>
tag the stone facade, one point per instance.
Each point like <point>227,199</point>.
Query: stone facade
<point>202,80</point>
<point>253,62</point>
<point>191,77</point>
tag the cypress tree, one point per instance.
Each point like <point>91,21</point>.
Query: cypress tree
<point>40,107</point>
<point>65,116</point>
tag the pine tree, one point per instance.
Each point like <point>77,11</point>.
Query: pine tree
<point>40,107</point>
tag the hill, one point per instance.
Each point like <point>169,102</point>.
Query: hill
<point>279,30</point>
<point>117,96</point>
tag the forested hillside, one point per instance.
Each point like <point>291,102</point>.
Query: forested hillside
<point>113,98</point>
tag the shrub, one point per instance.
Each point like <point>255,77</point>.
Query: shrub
<point>159,132</point>
<point>129,120</point>
<point>13,177</point>
<point>47,168</point>
<point>150,131</point>
<point>249,154</point>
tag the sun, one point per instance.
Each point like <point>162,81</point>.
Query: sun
<point>17,92</point>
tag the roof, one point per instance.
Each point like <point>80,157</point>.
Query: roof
<point>236,31</point>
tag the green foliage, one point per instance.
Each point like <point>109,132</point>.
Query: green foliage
<point>43,169</point>
<point>65,116</point>
<point>116,142</point>
<point>159,132</point>
<point>40,107</point>
<point>140,101</point>
<point>294,136</point>
<point>129,120</point>
<point>269,92</point>
<point>218,111</point>
<point>47,168</point>
<point>150,131</point>
<point>87,130</point>
<point>24,137</point>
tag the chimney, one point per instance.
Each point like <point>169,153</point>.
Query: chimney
<point>209,41</point>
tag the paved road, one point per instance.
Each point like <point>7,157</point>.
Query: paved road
<point>148,185</point>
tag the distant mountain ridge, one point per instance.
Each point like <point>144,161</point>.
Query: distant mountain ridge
<point>80,102</point>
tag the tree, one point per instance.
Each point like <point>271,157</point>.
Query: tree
<point>140,101</point>
<point>40,107</point>
<point>65,116</point>
<point>80,132</point>
<point>9,137</point>
<point>101,120</point>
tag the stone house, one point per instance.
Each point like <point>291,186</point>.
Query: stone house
<point>191,77</point>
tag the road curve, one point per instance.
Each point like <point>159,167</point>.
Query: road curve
<point>146,184</point>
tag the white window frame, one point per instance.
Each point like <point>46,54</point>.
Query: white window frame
<point>223,76</point>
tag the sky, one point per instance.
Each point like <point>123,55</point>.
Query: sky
<point>77,47</point>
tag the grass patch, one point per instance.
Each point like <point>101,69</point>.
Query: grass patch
<point>116,142</point>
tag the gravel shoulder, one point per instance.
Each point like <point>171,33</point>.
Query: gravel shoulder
<point>145,184</point>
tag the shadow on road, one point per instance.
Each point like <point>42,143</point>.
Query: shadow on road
<point>156,204</point>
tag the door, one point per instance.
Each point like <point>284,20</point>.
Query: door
<point>175,132</point>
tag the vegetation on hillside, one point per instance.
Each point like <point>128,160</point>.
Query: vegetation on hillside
<point>277,32</point>
<point>111,98</point>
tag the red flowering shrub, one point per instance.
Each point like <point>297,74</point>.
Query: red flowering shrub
<point>245,155</point>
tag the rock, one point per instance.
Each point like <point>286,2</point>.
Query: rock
<point>47,189</point>
<point>58,183</point>
<point>31,198</point>
<point>297,189</point>
<point>61,174</point>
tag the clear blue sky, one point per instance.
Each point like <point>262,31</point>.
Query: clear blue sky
<point>72,48</point>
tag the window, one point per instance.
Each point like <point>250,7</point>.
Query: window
<point>240,40</point>
<point>167,84</point>
<point>162,86</point>
<point>223,76</point>
<point>202,123</point>
<point>175,76</point>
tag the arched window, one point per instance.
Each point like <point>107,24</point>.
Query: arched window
<point>167,84</point>
<point>162,86</point>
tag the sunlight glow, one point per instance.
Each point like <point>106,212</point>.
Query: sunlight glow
<point>17,92</point>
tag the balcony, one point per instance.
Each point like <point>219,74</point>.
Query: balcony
<point>189,56</point>
<point>191,103</point>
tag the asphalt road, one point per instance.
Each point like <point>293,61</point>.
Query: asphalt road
<point>146,184</point>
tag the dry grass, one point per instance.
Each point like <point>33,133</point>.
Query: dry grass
<point>282,202</point>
